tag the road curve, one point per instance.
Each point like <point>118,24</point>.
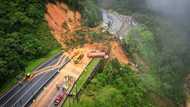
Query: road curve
<point>23,93</point>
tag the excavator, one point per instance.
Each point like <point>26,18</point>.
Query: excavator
<point>78,56</point>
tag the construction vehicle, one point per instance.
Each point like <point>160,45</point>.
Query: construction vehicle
<point>97,54</point>
<point>68,81</point>
<point>78,56</point>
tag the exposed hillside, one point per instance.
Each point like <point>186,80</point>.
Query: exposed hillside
<point>62,21</point>
<point>158,47</point>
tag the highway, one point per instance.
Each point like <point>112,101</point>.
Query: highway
<point>23,93</point>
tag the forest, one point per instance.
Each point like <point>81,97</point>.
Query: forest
<point>159,45</point>
<point>25,36</point>
<point>114,85</point>
<point>89,10</point>
<point>161,42</point>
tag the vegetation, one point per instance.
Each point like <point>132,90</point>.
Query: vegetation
<point>151,44</point>
<point>159,44</point>
<point>85,75</point>
<point>89,9</point>
<point>29,68</point>
<point>24,36</point>
<point>82,37</point>
<point>114,86</point>
<point>7,85</point>
<point>34,63</point>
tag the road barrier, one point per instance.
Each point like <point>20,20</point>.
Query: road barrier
<point>47,62</point>
<point>14,89</point>
<point>21,94</point>
<point>24,100</point>
<point>92,73</point>
<point>5,97</point>
<point>33,91</point>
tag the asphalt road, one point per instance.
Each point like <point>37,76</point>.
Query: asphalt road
<point>22,94</point>
<point>50,62</point>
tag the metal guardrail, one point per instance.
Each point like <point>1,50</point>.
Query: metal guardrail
<point>47,62</point>
<point>8,94</point>
<point>28,97</point>
<point>95,68</point>
<point>93,71</point>
<point>14,88</point>
<point>33,91</point>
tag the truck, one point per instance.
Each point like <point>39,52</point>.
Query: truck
<point>97,54</point>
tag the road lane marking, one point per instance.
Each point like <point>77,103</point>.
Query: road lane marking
<point>29,89</point>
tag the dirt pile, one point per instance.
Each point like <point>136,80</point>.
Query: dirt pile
<point>118,53</point>
<point>62,21</point>
<point>115,50</point>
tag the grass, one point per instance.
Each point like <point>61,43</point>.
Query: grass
<point>6,86</point>
<point>84,76</point>
<point>31,65</point>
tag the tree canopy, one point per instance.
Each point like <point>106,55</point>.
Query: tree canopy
<point>24,35</point>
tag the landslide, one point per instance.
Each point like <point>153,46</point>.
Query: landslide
<point>66,26</point>
<point>62,21</point>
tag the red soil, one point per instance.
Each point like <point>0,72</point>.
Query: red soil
<point>118,53</point>
<point>62,21</point>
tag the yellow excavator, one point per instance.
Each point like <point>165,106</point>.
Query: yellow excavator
<point>78,56</point>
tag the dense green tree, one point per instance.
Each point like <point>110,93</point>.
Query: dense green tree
<point>115,86</point>
<point>89,9</point>
<point>24,35</point>
<point>167,56</point>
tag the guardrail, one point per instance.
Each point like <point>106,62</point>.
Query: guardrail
<point>8,94</point>
<point>92,73</point>
<point>33,91</point>
<point>95,68</point>
<point>36,68</point>
<point>47,62</point>
<point>23,101</point>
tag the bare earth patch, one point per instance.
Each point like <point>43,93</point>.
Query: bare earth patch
<point>118,53</point>
<point>62,21</point>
